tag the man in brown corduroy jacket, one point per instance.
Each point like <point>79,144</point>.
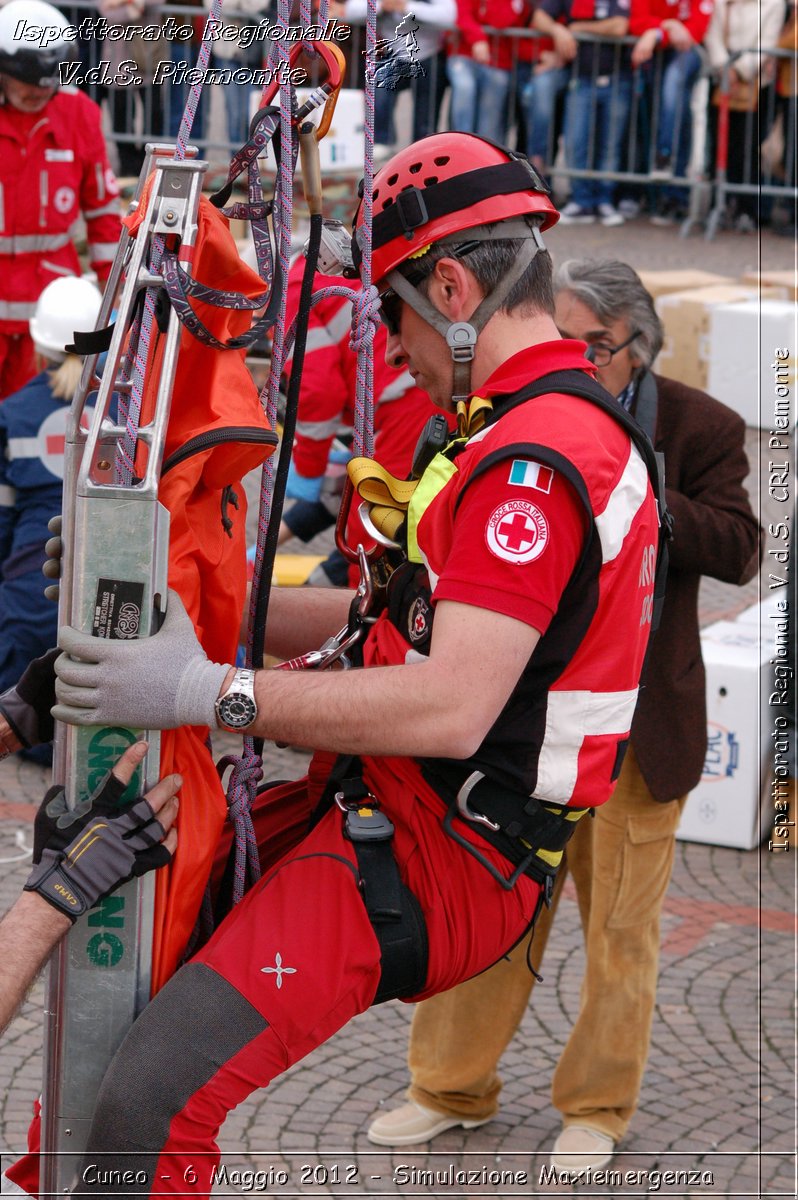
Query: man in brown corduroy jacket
<point>621,861</point>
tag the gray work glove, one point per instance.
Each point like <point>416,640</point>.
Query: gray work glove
<point>158,682</point>
<point>93,850</point>
<point>51,567</point>
<point>26,706</point>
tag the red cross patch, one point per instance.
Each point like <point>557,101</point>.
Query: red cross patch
<point>517,531</point>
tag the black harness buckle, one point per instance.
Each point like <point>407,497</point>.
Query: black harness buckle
<point>411,209</point>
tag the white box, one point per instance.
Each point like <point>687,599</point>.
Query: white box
<point>742,340</point>
<point>728,807</point>
<point>342,148</point>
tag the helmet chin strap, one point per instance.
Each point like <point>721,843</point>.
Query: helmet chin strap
<point>461,336</point>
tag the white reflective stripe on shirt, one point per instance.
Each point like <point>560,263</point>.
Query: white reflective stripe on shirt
<point>20,447</point>
<point>317,431</point>
<point>102,251</point>
<point>33,243</point>
<point>8,496</point>
<point>321,337</point>
<point>625,502</point>
<point>570,718</point>
<point>91,213</point>
<point>396,388</point>
<point>17,310</point>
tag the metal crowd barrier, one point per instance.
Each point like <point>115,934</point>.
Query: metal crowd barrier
<point>739,168</point>
<point>151,110</point>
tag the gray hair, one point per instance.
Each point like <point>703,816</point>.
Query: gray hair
<point>614,292</point>
<point>489,262</point>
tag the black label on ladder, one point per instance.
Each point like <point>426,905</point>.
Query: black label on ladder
<point>117,609</point>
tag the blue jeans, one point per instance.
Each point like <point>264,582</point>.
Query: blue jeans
<point>539,99</point>
<point>427,86</point>
<point>596,117</point>
<point>479,98</point>
<point>680,68</point>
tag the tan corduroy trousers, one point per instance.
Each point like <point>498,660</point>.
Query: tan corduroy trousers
<point>620,862</point>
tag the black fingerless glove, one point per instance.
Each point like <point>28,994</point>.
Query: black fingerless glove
<point>84,854</point>
<point>26,706</point>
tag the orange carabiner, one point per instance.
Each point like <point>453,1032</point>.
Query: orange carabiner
<point>335,62</point>
<point>336,65</point>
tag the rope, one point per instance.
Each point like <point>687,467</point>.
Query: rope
<point>364,318</point>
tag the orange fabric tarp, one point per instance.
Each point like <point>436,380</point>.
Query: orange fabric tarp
<point>213,390</point>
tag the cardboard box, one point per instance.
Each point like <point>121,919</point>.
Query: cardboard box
<point>730,806</point>
<point>741,362</point>
<point>785,280</point>
<point>659,283</point>
<point>685,317</point>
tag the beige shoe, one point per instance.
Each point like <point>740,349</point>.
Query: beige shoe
<point>412,1123</point>
<point>579,1147</point>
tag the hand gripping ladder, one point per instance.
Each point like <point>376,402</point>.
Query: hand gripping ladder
<point>114,583</point>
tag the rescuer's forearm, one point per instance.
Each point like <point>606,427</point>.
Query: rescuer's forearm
<point>29,932</point>
<point>301,619</point>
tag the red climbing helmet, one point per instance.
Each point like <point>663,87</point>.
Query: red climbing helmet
<point>443,184</point>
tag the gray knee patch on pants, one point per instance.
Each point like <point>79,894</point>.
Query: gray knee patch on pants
<point>164,1060</point>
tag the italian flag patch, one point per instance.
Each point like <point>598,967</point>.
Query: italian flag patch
<point>524,473</point>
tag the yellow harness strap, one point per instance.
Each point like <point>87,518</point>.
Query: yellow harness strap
<point>388,496</point>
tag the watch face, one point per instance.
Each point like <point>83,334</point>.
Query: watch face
<point>237,710</point>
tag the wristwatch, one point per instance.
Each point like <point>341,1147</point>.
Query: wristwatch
<point>236,708</point>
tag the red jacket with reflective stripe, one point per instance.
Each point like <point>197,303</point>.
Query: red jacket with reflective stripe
<point>327,398</point>
<point>53,168</point>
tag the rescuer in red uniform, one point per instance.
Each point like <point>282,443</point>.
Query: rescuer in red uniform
<point>53,170</point>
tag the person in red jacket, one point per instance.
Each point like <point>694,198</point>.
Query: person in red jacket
<point>480,66</point>
<point>677,28</point>
<point>53,168</point>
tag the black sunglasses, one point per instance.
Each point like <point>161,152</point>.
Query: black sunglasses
<point>391,311</point>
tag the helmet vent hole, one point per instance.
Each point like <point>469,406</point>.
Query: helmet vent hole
<point>430,180</point>
<point>392,179</point>
<point>441,162</point>
<point>416,167</point>
<point>388,202</point>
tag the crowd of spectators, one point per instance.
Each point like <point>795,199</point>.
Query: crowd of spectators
<point>603,88</point>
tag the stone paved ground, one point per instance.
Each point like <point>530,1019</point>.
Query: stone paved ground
<point>718,1099</point>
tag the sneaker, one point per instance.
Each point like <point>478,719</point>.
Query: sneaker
<point>609,215</point>
<point>669,212</point>
<point>412,1124</point>
<point>575,214</point>
<point>629,208</point>
<point>580,1147</point>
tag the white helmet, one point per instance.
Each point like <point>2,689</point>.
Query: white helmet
<point>34,42</point>
<point>65,305</point>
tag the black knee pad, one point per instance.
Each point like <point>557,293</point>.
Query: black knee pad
<point>164,1060</point>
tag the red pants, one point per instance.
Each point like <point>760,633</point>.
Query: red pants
<point>17,362</point>
<point>285,970</point>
